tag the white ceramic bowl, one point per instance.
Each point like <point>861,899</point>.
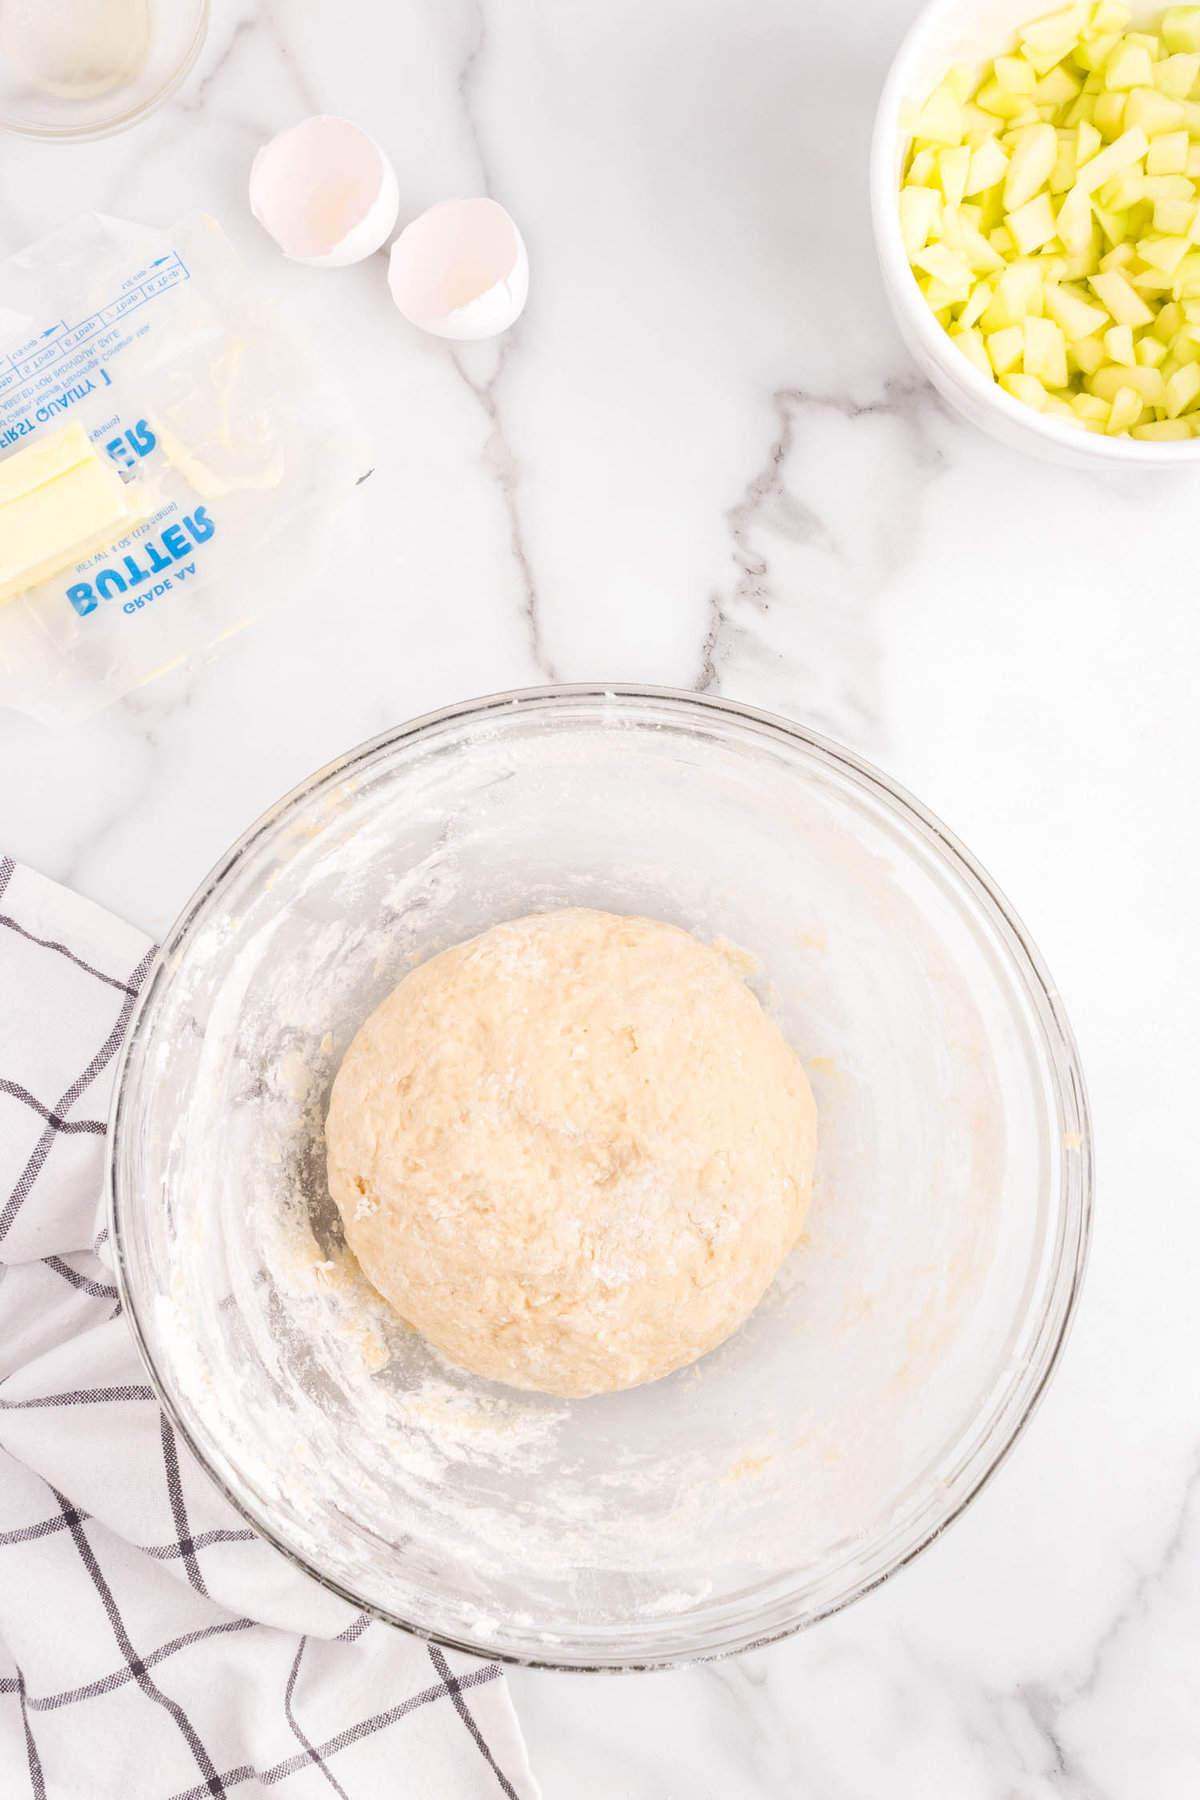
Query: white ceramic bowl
<point>973,31</point>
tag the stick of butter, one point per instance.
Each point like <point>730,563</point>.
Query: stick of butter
<point>59,502</point>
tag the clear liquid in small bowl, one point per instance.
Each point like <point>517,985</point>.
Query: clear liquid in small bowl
<point>82,68</point>
<point>75,49</point>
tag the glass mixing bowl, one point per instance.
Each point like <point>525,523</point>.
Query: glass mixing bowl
<point>88,68</point>
<point>886,1372</point>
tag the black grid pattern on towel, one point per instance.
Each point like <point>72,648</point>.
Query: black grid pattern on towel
<point>131,1662</point>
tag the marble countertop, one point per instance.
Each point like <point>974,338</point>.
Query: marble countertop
<point>704,459</point>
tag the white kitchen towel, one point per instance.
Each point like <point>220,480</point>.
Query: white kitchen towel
<point>151,1646</point>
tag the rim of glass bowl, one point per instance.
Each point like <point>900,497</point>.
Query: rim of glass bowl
<point>78,134</point>
<point>979,1450</point>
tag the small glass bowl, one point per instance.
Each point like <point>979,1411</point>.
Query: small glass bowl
<point>879,1382</point>
<point>175,33</point>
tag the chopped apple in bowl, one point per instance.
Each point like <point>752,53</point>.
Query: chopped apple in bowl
<point>1050,210</point>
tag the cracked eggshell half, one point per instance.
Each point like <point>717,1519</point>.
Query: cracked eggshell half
<point>325,191</point>
<point>460,270</point>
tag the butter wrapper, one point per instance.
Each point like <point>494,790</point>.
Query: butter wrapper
<point>148,356</point>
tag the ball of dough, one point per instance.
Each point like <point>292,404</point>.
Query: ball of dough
<point>572,1152</point>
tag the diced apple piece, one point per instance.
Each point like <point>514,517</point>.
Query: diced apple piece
<point>1109,380</point>
<point>920,211</point>
<point>1169,321</point>
<point>1094,52</point>
<point>989,165</point>
<point>1014,74</point>
<point>1062,175</point>
<point>1123,191</point>
<point>1114,292</point>
<point>1087,142</point>
<point>1183,388</point>
<point>1176,75</point>
<point>950,267</point>
<point>1163,253</point>
<point>1158,429</point>
<point>1119,257</point>
<point>1174,218</point>
<point>1168,154</point>
<point>1167,187</point>
<point>1181,28</point>
<point>1115,226</point>
<point>978,252</point>
<point>942,294</point>
<point>1075,316</point>
<point>1129,65</point>
<point>1150,283</point>
<point>977,305</point>
<point>1033,224</point>
<point>1127,150</point>
<point>1006,348</point>
<point>971,343</point>
<point>953,166</point>
<point>1035,151</point>
<point>1187,277</point>
<point>1042,62</point>
<point>1045,352</point>
<point>922,170</point>
<point>1153,112</point>
<point>1150,352</point>
<point>1054,35</point>
<point>999,101</point>
<point>1118,345</point>
<point>980,124</point>
<point>1110,15</point>
<point>1001,241</point>
<point>991,208</point>
<point>1018,292</point>
<point>1027,388</point>
<point>1057,88</point>
<point>1109,115</point>
<point>1090,408</point>
<point>1086,355</point>
<point>940,119</point>
<point>1125,410</point>
<point>1083,252</point>
<point>1074,222</point>
<point>1081,264</point>
<point>960,79</point>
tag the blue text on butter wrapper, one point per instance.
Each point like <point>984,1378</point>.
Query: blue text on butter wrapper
<point>161,553</point>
